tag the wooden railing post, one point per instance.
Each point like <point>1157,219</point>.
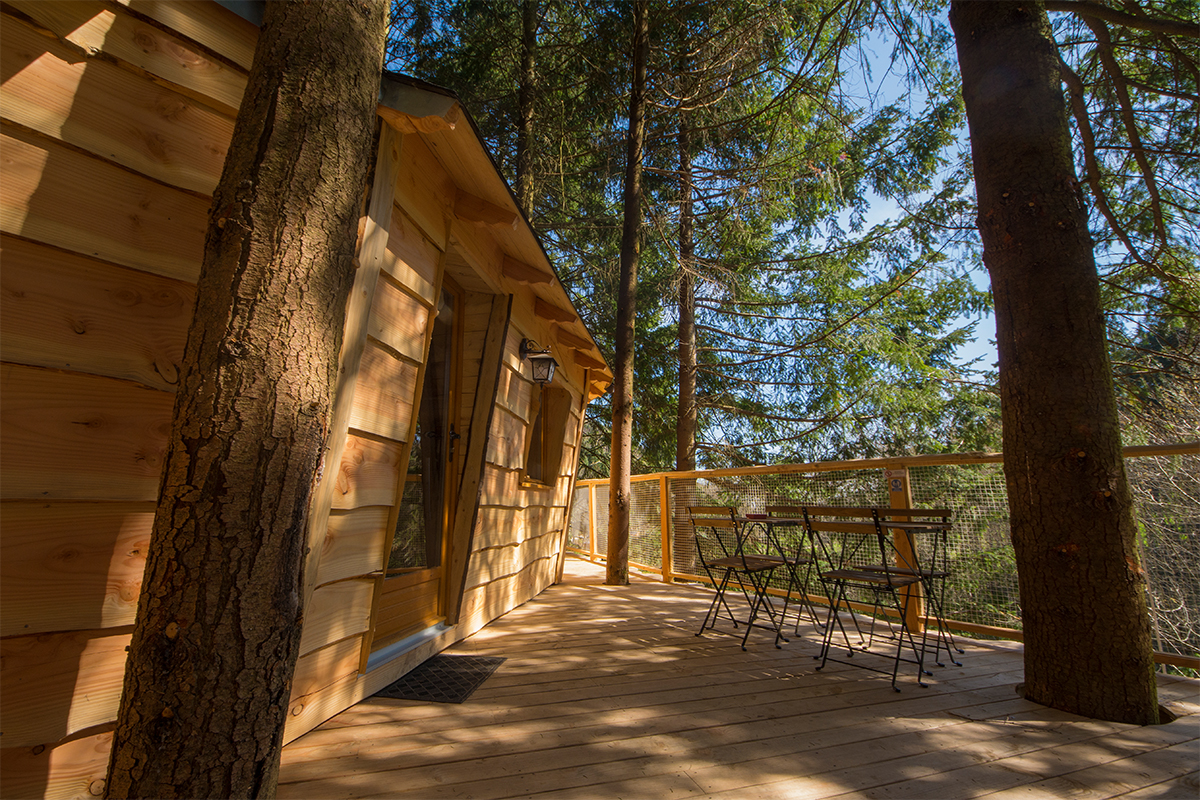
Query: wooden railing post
<point>664,515</point>
<point>900,495</point>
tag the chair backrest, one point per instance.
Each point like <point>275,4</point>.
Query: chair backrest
<point>720,516</point>
<point>715,530</point>
<point>845,536</point>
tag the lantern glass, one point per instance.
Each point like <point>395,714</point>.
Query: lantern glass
<point>543,365</point>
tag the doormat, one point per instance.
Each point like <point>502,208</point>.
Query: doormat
<point>443,679</point>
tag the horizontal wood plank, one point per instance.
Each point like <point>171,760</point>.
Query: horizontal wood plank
<point>217,28</point>
<point>384,394</point>
<point>110,111</point>
<point>411,257</point>
<point>71,770</point>
<point>61,310</point>
<point>337,611</point>
<point>61,197</point>
<point>71,436</point>
<point>97,28</point>
<point>72,566</point>
<point>56,684</point>
<point>501,487</point>
<point>424,190</point>
<point>398,320</point>
<point>369,473</point>
<point>501,562</point>
<point>514,393</point>
<point>354,542</point>
<point>326,666</point>
<point>506,441</point>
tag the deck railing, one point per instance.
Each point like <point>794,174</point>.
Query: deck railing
<point>981,596</point>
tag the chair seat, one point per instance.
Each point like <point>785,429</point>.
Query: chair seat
<point>867,576</point>
<point>925,573</point>
<point>744,563</point>
<point>777,559</point>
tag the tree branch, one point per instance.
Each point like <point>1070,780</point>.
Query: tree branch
<point>1086,8</point>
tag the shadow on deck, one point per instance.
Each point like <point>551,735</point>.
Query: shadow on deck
<point>608,693</point>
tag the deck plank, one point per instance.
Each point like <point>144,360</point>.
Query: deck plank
<point>608,692</point>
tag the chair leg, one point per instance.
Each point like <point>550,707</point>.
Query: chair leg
<point>714,608</point>
<point>835,599</point>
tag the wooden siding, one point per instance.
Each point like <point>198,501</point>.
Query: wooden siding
<point>64,435</point>
<point>72,566</point>
<point>62,310</point>
<point>57,684</point>
<point>369,473</point>
<point>114,133</point>
<point>384,395</point>
<point>96,28</point>
<point>111,111</point>
<point>59,196</point>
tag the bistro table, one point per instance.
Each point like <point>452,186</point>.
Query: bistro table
<point>769,544</point>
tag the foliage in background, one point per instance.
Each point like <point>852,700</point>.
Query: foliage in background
<point>823,330</point>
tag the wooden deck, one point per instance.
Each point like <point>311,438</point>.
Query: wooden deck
<point>608,693</point>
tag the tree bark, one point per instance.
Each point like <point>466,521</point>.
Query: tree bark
<point>685,427</point>
<point>218,626</point>
<point>1083,598</point>
<point>525,101</point>
<point>622,399</point>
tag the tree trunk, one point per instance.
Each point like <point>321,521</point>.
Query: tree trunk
<point>622,398</point>
<point>218,624</point>
<point>525,102</point>
<point>685,426</point>
<point>1083,598</point>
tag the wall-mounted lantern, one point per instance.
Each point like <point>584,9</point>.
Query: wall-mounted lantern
<point>541,361</point>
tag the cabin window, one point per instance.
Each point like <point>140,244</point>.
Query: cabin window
<point>546,436</point>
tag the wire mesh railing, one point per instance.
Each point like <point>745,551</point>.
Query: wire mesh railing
<point>981,595</point>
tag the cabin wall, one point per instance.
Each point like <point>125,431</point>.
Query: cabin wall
<point>518,537</point>
<point>116,117</point>
<point>114,135</point>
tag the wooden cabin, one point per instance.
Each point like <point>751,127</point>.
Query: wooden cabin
<point>448,503</point>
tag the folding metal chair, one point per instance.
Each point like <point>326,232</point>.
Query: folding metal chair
<point>794,552</point>
<point>719,547</point>
<point>857,555</point>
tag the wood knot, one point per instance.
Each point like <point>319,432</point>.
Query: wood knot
<point>172,630</point>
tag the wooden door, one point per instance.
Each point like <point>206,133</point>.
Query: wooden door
<point>413,596</point>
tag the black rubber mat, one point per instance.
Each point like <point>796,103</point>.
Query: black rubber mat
<point>443,679</point>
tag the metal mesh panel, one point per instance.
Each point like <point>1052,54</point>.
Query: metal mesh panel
<point>578,535</point>
<point>753,493</point>
<point>1166,491</point>
<point>645,524</point>
<point>600,497</point>
<point>982,587</point>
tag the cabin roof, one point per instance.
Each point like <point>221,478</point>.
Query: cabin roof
<point>450,131</point>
